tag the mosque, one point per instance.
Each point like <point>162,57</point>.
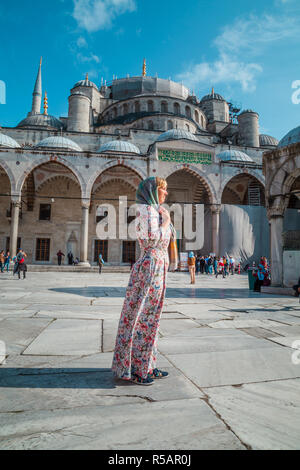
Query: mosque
<point>57,174</point>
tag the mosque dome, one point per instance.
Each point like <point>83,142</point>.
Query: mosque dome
<point>247,111</point>
<point>234,155</point>
<point>118,146</point>
<point>86,82</point>
<point>59,142</point>
<point>6,141</point>
<point>267,140</point>
<point>291,137</point>
<point>212,96</point>
<point>176,134</point>
<point>41,120</point>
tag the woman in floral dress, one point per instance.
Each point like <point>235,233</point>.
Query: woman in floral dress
<point>135,350</point>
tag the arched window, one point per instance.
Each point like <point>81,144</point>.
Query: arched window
<point>170,125</point>
<point>196,116</point>
<point>136,106</point>
<point>188,112</point>
<point>150,125</point>
<point>164,107</point>
<point>187,127</point>
<point>150,106</point>
<point>176,108</point>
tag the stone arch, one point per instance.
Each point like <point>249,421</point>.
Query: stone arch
<point>255,175</point>
<point>280,183</point>
<point>239,195</point>
<point>110,165</point>
<point>53,178</point>
<point>212,194</point>
<point>10,175</point>
<point>35,164</point>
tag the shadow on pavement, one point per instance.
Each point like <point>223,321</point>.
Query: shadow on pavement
<point>81,378</point>
<point>172,292</point>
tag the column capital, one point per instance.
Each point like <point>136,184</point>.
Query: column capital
<point>215,208</point>
<point>273,212</point>
<point>15,199</point>
<point>85,203</point>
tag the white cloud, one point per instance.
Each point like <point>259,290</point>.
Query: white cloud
<point>88,57</point>
<point>93,15</point>
<point>236,45</point>
<point>81,42</point>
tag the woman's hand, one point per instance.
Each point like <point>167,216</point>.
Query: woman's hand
<point>166,220</point>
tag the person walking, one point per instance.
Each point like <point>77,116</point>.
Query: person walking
<point>215,265</point>
<point>2,260</point>
<point>136,342</point>
<point>231,265</point>
<point>220,268</point>
<point>100,262</point>
<point>22,267</point>
<point>198,258</point>
<point>7,261</point>
<point>209,264</point>
<point>191,265</point>
<point>59,255</point>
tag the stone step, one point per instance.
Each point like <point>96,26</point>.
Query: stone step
<point>277,290</point>
<point>77,269</point>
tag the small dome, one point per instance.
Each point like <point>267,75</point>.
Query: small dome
<point>267,140</point>
<point>291,137</point>
<point>212,96</point>
<point>234,155</point>
<point>6,141</point>
<point>42,120</point>
<point>247,111</point>
<point>85,82</point>
<point>59,142</point>
<point>176,134</point>
<point>118,146</point>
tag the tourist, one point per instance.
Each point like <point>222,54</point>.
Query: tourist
<point>135,349</point>
<point>22,267</point>
<point>76,261</point>
<point>210,265</point>
<point>100,262</point>
<point>2,259</point>
<point>215,265</point>
<point>70,258</point>
<point>198,258</point>
<point>220,268</point>
<point>206,264</point>
<point>226,265</point>
<point>191,265</point>
<point>231,265</point>
<point>202,265</point>
<point>59,255</point>
<point>7,261</point>
<point>260,276</point>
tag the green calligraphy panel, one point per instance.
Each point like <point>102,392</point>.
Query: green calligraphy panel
<point>167,155</point>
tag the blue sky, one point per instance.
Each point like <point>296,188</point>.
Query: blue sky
<point>248,50</point>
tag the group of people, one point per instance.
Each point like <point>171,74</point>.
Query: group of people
<point>18,260</point>
<point>71,260</point>
<point>262,274</point>
<point>210,265</point>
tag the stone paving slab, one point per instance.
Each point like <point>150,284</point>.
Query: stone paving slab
<point>270,410</point>
<point>18,333</point>
<point>243,323</point>
<point>237,367</point>
<point>68,337</point>
<point>187,345</point>
<point>173,327</point>
<point>289,341</point>
<point>194,426</point>
<point>286,330</point>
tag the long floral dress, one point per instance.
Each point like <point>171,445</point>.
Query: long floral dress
<point>135,349</point>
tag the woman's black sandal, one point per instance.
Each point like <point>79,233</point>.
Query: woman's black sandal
<point>158,374</point>
<point>140,381</point>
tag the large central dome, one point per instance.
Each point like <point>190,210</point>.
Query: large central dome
<point>125,88</point>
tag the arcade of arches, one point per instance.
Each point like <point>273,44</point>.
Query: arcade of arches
<point>51,214</point>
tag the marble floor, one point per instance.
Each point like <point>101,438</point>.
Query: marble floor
<point>232,355</point>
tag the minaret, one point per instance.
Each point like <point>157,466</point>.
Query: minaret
<point>37,93</point>
<point>144,68</point>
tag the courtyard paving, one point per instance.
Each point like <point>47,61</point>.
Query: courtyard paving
<point>232,383</point>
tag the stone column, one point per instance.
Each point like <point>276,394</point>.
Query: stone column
<point>276,226</point>
<point>14,228</point>
<point>215,227</point>
<point>85,204</point>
